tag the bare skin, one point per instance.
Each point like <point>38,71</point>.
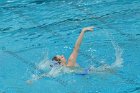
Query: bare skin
<point>74,54</point>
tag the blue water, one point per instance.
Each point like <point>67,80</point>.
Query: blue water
<point>33,31</point>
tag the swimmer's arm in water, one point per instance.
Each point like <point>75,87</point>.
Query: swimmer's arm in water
<point>73,56</point>
<point>37,78</point>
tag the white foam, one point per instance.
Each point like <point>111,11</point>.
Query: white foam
<point>44,64</point>
<point>55,71</point>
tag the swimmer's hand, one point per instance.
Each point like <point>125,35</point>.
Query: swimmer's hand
<point>29,82</point>
<point>88,29</point>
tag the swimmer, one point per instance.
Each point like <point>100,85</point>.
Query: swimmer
<point>61,60</point>
<point>72,59</point>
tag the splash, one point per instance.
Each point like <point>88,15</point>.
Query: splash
<point>58,70</point>
<point>109,68</point>
<point>44,64</point>
<point>119,60</point>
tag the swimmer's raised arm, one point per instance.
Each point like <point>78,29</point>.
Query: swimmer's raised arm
<point>73,56</point>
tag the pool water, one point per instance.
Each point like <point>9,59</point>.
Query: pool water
<point>33,31</point>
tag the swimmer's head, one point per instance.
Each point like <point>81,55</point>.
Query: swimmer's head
<point>60,59</point>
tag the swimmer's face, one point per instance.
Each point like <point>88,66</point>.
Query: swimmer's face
<point>59,58</point>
